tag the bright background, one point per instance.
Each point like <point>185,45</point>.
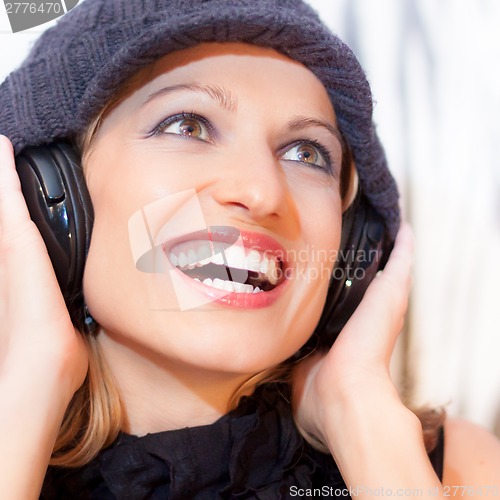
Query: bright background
<point>435,73</point>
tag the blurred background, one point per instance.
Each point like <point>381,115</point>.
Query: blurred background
<point>434,68</point>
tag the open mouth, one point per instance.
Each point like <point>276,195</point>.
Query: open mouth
<point>228,267</point>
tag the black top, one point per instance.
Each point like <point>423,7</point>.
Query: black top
<point>253,452</point>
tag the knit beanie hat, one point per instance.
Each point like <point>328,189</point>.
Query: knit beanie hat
<point>77,65</point>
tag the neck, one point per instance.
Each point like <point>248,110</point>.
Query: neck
<point>160,394</point>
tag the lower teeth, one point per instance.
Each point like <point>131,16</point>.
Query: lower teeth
<point>229,286</point>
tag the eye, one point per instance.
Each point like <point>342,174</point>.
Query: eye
<point>186,125</point>
<point>308,152</point>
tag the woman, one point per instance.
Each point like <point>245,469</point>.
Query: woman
<point>246,114</point>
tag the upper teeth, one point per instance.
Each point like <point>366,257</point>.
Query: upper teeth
<point>188,255</point>
<point>230,286</point>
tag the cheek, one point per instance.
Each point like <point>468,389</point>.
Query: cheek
<point>113,287</point>
<point>320,210</point>
<point>109,269</point>
<point>320,220</point>
<point>109,262</point>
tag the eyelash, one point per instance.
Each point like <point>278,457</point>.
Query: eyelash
<point>185,115</point>
<point>323,151</point>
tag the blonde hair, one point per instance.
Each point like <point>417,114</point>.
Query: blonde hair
<point>94,416</point>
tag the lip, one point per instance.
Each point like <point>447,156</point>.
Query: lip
<point>228,235</point>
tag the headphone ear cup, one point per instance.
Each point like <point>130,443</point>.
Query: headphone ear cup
<point>364,250</point>
<point>53,185</point>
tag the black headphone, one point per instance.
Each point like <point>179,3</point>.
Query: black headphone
<point>364,250</point>
<point>56,194</point>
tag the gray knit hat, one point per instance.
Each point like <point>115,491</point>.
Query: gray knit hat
<point>76,66</point>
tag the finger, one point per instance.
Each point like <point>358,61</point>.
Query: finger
<point>379,317</point>
<point>400,262</point>
<point>13,210</point>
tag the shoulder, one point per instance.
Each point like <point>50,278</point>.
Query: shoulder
<point>472,455</point>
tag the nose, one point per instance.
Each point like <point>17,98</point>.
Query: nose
<point>255,185</point>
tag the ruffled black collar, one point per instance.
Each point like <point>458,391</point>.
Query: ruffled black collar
<point>253,452</point>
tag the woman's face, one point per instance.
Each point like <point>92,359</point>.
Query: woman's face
<point>222,166</point>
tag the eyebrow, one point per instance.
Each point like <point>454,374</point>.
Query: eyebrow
<point>300,122</point>
<point>222,96</point>
<point>227,100</point>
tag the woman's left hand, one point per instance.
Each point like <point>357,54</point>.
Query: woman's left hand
<point>347,400</point>
<point>357,364</point>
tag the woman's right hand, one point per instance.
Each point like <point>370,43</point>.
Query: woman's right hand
<point>37,337</point>
<point>43,359</point>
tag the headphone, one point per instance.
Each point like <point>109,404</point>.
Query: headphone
<point>53,185</point>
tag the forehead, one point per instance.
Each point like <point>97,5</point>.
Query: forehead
<point>257,73</point>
